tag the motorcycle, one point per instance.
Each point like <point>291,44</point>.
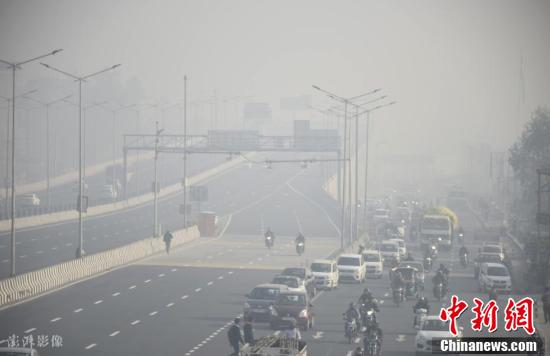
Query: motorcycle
<point>300,247</point>
<point>269,241</point>
<point>397,294</point>
<point>350,329</point>
<point>439,291</point>
<point>427,263</point>
<point>420,314</point>
<point>433,252</point>
<point>464,260</point>
<point>368,317</point>
<point>373,345</point>
<point>460,238</point>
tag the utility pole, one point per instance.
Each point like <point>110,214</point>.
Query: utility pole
<point>155,183</point>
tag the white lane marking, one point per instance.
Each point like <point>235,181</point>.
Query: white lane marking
<point>30,330</point>
<point>54,248</point>
<point>116,294</point>
<point>161,275</point>
<point>98,302</point>
<point>39,252</point>
<point>135,322</point>
<point>114,333</point>
<point>132,287</point>
<point>5,261</point>
<point>153,313</point>
<point>90,346</point>
<point>220,277</point>
<point>23,256</point>
<point>78,310</point>
<point>147,281</point>
<point>33,239</point>
<point>184,297</point>
<point>174,269</point>
<point>198,289</point>
<point>210,283</point>
<point>55,319</point>
<point>169,305</point>
<point>259,258</point>
<point>69,244</point>
<point>230,272</point>
<point>209,257</point>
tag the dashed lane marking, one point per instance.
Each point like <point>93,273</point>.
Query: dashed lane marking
<point>184,297</point>
<point>91,346</point>
<point>132,287</point>
<point>198,290</point>
<point>153,313</point>
<point>169,305</point>
<point>30,330</point>
<point>78,310</point>
<point>116,294</point>
<point>55,319</point>
<point>98,302</point>
<point>210,283</point>
<point>114,333</point>
<point>147,281</point>
<point>135,322</point>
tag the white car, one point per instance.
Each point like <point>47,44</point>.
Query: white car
<point>373,260</point>
<point>494,275</point>
<point>494,249</point>
<point>351,267</point>
<point>390,251</point>
<point>432,327</point>
<point>402,247</point>
<point>294,284</point>
<point>325,273</point>
<point>28,200</point>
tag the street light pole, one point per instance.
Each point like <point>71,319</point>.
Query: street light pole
<point>47,106</point>
<point>14,66</point>
<point>184,182</point>
<point>80,79</point>
<point>155,183</point>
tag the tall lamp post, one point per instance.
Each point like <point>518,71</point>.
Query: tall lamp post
<point>14,66</point>
<point>80,80</point>
<point>47,105</point>
<point>7,178</point>
<point>367,121</point>
<point>346,102</point>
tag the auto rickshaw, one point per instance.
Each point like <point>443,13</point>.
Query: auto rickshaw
<point>410,277</point>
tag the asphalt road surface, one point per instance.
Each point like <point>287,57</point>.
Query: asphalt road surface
<point>183,303</point>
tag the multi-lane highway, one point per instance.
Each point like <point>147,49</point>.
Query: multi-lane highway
<point>183,303</point>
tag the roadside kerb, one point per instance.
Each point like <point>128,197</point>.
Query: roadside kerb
<point>58,217</point>
<point>32,284</point>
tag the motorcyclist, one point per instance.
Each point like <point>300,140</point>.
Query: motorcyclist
<point>443,270</point>
<point>365,297</point>
<point>374,331</point>
<point>302,239</point>
<point>353,314</point>
<point>271,234</point>
<point>463,251</point>
<point>358,351</point>
<point>422,304</point>
<point>440,277</point>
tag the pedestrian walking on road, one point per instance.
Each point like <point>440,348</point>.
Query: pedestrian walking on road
<point>546,304</point>
<point>248,330</point>
<point>168,240</point>
<point>235,337</point>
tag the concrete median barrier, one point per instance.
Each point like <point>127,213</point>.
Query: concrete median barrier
<point>28,285</point>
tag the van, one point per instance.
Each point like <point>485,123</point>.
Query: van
<point>325,274</point>
<point>373,260</point>
<point>352,267</point>
<point>390,251</point>
<point>494,275</point>
<point>402,247</point>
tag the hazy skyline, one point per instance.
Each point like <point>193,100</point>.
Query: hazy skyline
<point>455,67</point>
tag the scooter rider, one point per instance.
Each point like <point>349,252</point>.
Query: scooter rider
<point>300,238</point>
<point>269,233</point>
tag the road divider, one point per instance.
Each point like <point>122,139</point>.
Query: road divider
<point>63,216</point>
<point>32,284</point>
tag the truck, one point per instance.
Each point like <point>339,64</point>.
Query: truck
<point>437,226</point>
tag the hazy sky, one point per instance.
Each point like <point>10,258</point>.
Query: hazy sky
<point>453,66</point>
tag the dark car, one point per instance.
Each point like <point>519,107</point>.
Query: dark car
<point>259,300</point>
<point>302,273</point>
<point>290,307</point>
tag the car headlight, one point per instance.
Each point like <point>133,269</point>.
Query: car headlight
<point>303,314</point>
<point>246,305</point>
